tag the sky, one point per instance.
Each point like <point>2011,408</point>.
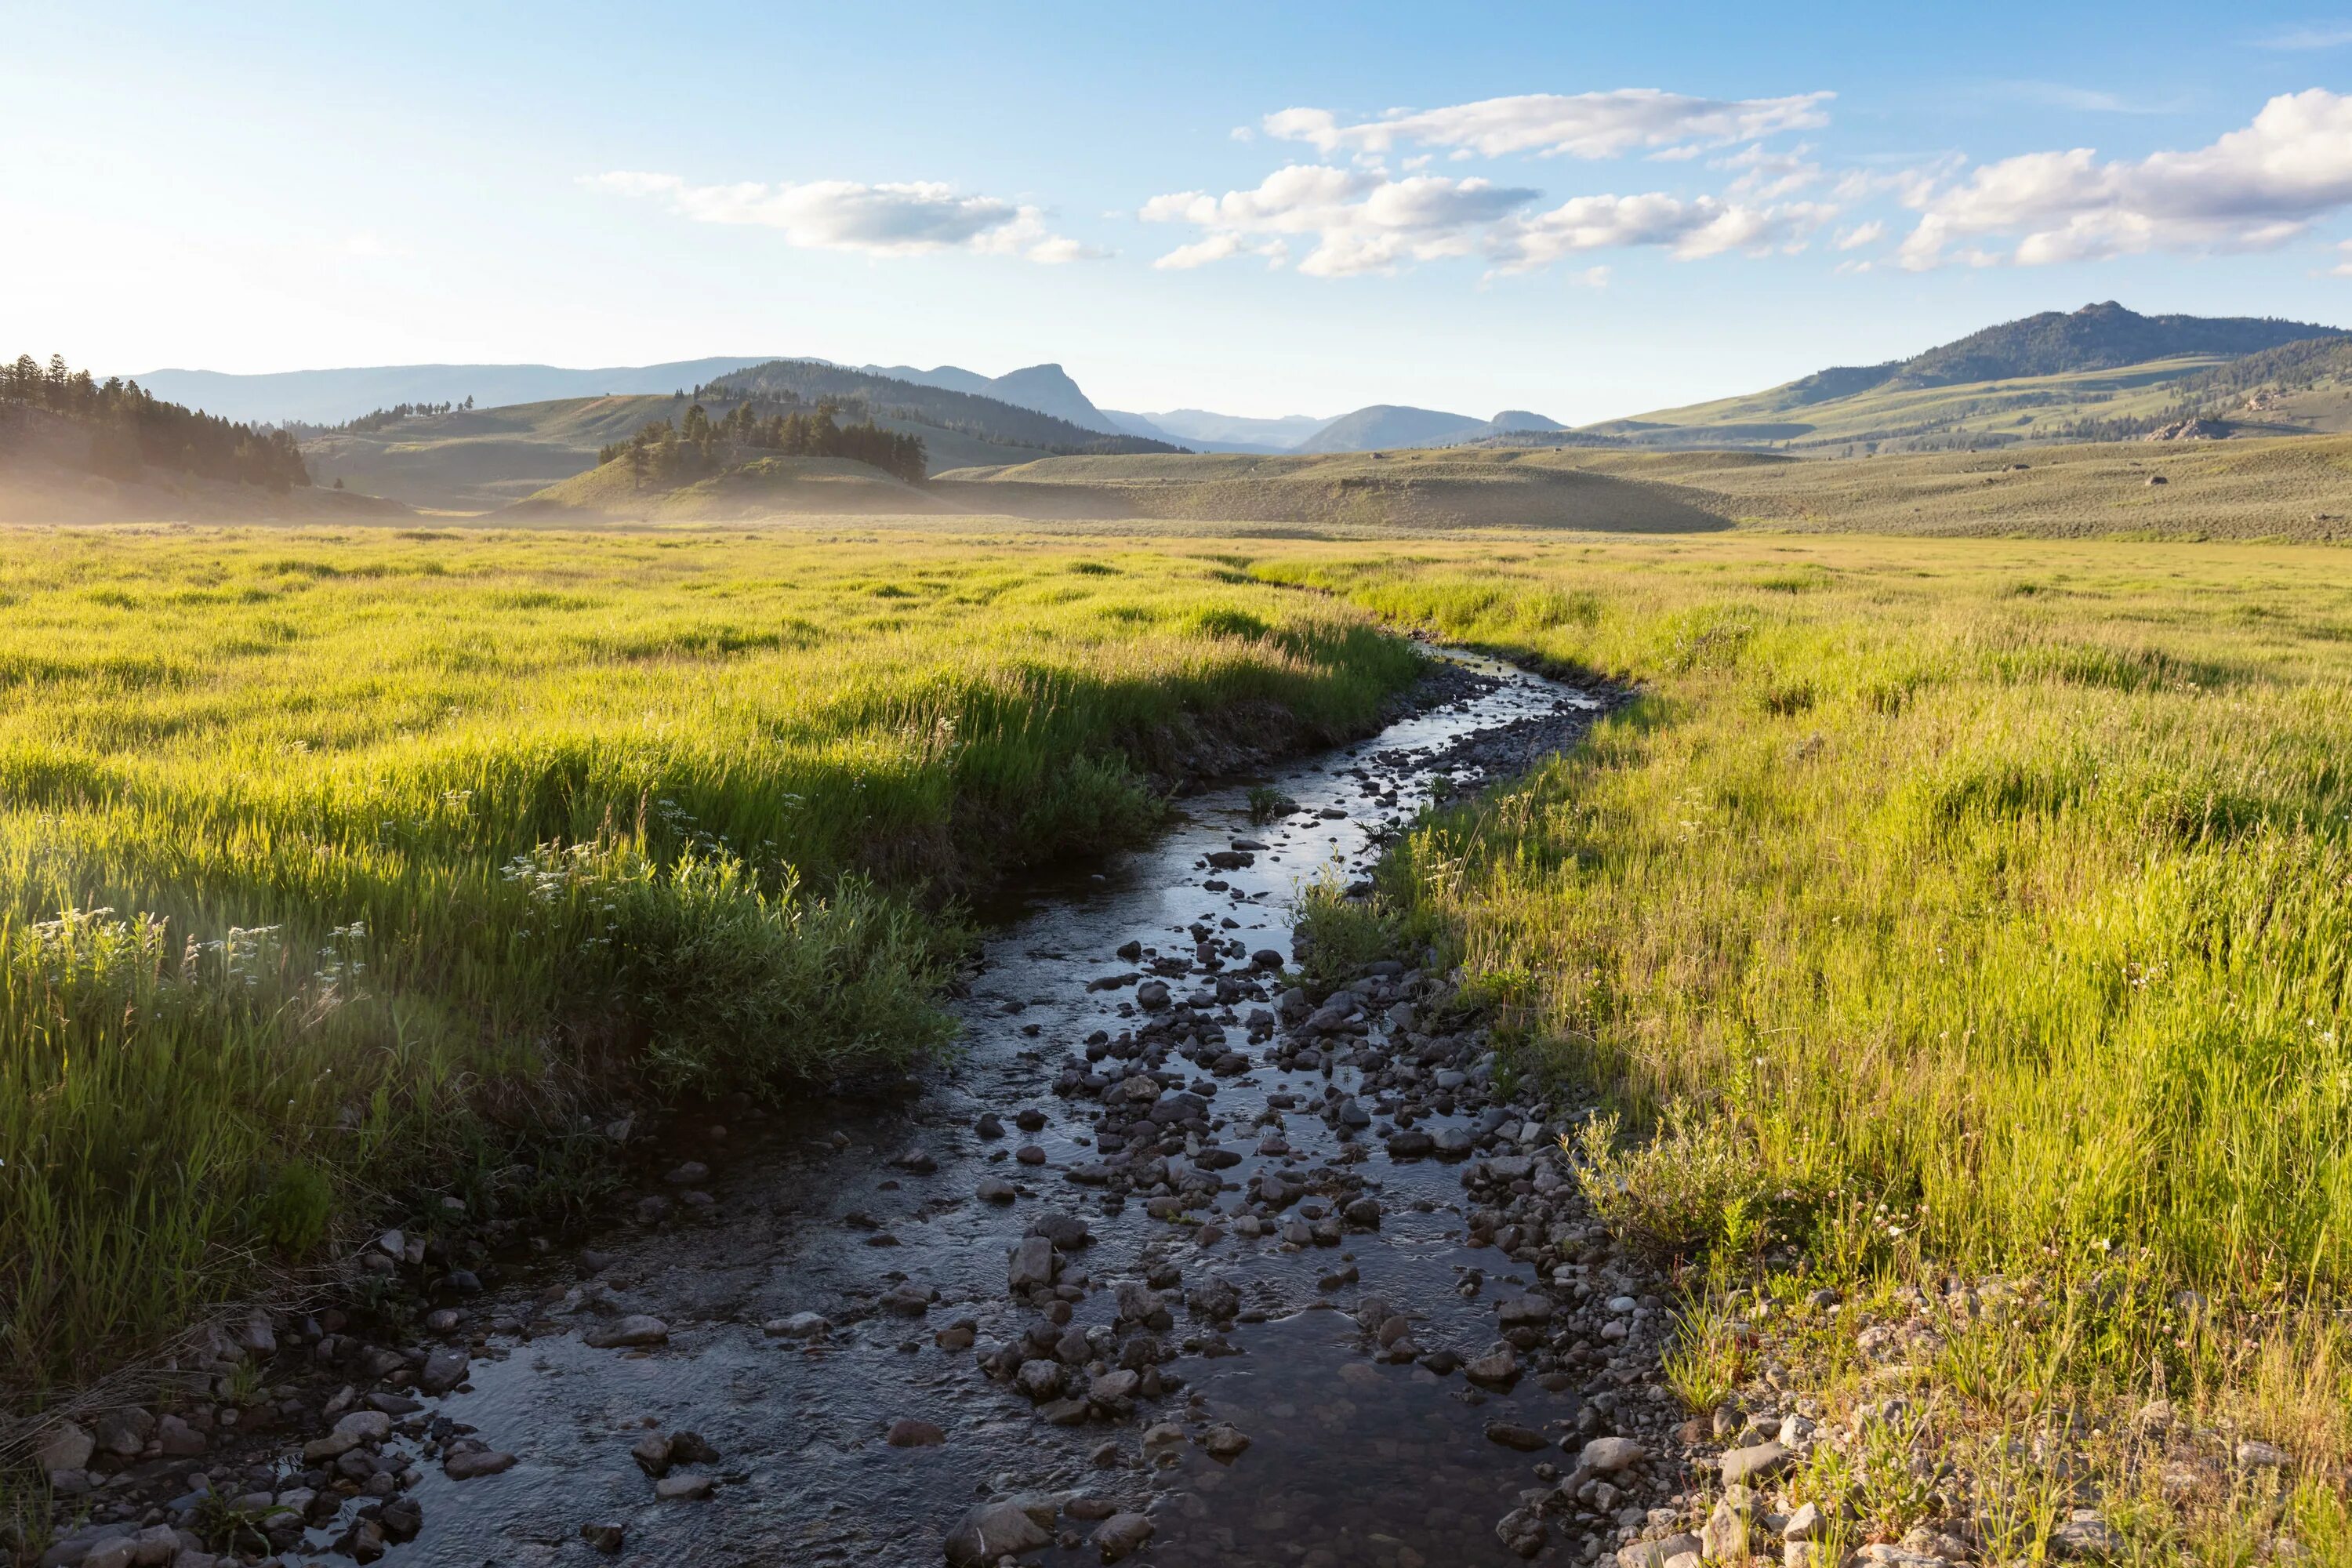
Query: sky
<point>1263,209</point>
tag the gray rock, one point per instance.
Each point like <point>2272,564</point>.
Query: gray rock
<point>908,1433</point>
<point>1747,1466</point>
<point>1607,1455</point>
<point>683,1488</point>
<point>992,1530</point>
<point>1033,1263</point>
<point>636,1329</point>
<point>606,1537</point>
<point>65,1448</point>
<point>1656,1553</point>
<point>1498,1369</point>
<point>799,1326</point>
<point>476,1462</point>
<point>124,1433</point>
<point>1120,1535</point>
<point>444,1369</point>
<point>1224,1442</point>
<point>2088,1537</point>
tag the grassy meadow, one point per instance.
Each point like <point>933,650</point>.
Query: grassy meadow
<point>1948,910</point>
<point>1938,909</point>
<point>343,873</point>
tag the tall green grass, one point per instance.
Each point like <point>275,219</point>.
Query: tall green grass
<point>341,873</point>
<point>1984,907</point>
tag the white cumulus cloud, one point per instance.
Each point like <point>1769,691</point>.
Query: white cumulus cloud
<point>1577,125</point>
<point>912,218</point>
<point>1689,229</point>
<point>2251,189</point>
<point>1359,221</point>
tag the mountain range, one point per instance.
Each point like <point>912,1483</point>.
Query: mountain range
<point>333,396</point>
<point>2102,370</point>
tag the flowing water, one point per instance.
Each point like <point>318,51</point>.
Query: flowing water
<point>1352,1459</point>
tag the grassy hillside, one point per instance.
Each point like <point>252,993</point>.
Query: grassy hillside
<point>1970,922</point>
<point>47,477</point>
<point>1403,491</point>
<point>1987,412</point>
<point>765,487</point>
<point>2245,489</point>
<point>481,460</point>
<point>338,874</point>
<point>2056,375</point>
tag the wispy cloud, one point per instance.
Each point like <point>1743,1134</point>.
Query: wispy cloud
<point>1578,125</point>
<point>901,219</point>
<point>2085,100</point>
<point>2307,36</point>
<point>2251,189</point>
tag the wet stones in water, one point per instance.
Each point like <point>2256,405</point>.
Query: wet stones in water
<point>960,1335</point>
<point>997,1529</point>
<point>1266,958</point>
<point>1525,1439</point>
<point>1030,1154</point>
<point>606,1537</point>
<point>1215,1298</point>
<point>917,1161</point>
<point>1130,951</point>
<point>1231,859</point>
<point>1032,1265</point>
<point>909,1433</point>
<point>1498,1368</point>
<point>1221,1442</point>
<point>638,1329</point>
<point>909,1300</point>
<point>684,1489</point>
<point>1029,1120</point>
<point>1120,1536</point>
<point>988,1126</point>
<point>799,1326</point>
<point>467,1464</point>
<point>996,1190</point>
<point>1152,995</point>
<point>444,1369</point>
<point>1067,1232</point>
<point>1411,1144</point>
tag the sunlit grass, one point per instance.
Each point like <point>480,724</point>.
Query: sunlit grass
<point>1991,904</point>
<point>339,873</point>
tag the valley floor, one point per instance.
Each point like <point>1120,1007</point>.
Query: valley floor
<point>1938,971</point>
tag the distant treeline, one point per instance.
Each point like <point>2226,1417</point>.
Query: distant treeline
<point>130,428</point>
<point>381,418</point>
<point>700,445</point>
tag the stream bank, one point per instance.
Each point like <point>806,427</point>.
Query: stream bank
<point>1181,1260</point>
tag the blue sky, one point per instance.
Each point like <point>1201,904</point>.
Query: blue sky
<point>1262,209</point>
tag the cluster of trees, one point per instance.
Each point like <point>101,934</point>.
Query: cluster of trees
<point>130,427</point>
<point>381,418</point>
<point>699,445</point>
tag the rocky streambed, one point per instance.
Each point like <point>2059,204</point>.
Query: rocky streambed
<point>1183,1260</point>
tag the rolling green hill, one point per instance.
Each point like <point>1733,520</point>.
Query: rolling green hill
<point>1348,490</point>
<point>764,487</point>
<point>2102,372</point>
<point>2297,488</point>
<point>472,460</point>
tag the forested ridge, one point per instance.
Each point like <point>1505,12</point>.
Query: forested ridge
<point>130,428</point>
<point>700,445</point>
<point>875,397</point>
